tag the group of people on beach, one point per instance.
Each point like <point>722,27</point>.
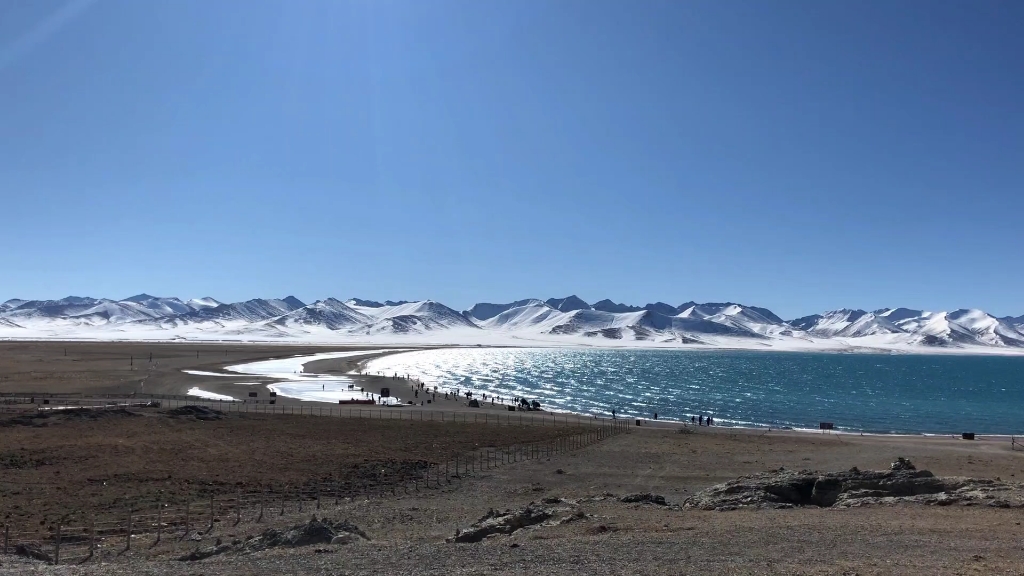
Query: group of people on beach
<point>699,420</point>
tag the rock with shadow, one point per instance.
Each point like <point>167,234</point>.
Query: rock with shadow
<point>902,483</point>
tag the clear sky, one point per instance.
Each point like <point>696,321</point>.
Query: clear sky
<point>798,155</point>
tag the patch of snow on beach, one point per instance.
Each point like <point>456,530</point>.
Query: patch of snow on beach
<point>329,391</point>
<point>291,367</point>
<point>208,395</point>
<point>202,373</point>
<point>303,386</point>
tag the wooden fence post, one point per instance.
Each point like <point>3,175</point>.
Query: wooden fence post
<point>56,547</point>
<point>7,537</point>
<point>318,495</point>
<point>238,507</point>
<point>187,509</point>
<point>92,537</point>
<point>211,513</point>
<point>159,521</point>
<point>128,544</point>
<point>263,499</point>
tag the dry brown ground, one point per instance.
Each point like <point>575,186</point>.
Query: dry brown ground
<point>409,531</point>
<point>70,468</point>
<point>125,367</point>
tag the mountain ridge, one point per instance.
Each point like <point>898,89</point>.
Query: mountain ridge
<point>710,323</point>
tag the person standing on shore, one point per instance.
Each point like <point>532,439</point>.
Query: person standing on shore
<point>613,413</point>
<point>693,419</point>
<point>700,420</point>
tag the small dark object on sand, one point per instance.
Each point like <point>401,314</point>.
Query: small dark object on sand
<point>902,463</point>
<point>32,551</point>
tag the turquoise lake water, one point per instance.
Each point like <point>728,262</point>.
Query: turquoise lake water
<point>858,392</point>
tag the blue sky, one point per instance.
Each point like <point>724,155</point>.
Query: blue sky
<point>796,155</point>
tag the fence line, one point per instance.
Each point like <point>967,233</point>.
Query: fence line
<point>179,521</point>
<point>399,412</point>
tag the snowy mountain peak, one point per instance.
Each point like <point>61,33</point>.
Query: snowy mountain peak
<point>833,322</point>
<point>77,300</point>
<point>364,303</point>
<point>898,314</point>
<point>568,304</point>
<point>607,305</point>
<point>139,298</point>
<point>331,314</point>
<point>663,308</point>
<point>485,311</point>
<point>200,303</point>
<point>11,304</point>
<point>293,302</point>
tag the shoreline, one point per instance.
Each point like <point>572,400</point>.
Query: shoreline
<point>89,368</point>
<point>674,423</point>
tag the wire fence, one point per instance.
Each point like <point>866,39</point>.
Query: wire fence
<point>483,415</point>
<point>183,521</point>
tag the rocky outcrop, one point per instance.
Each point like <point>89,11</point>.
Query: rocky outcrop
<point>902,483</point>
<point>313,532</point>
<point>506,522</point>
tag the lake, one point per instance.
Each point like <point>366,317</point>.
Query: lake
<point>878,393</point>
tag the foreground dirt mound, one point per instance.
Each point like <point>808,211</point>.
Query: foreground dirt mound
<point>52,417</point>
<point>197,412</point>
<point>902,483</point>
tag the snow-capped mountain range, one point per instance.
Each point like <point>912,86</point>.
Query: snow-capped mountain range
<point>569,320</point>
